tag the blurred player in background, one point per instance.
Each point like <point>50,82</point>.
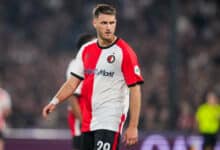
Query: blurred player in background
<point>111,78</point>
<point>75,106</point>
<point>208,119</point>
<point>5,110</point>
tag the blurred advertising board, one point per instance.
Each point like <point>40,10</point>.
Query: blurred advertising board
<point>44,139</point>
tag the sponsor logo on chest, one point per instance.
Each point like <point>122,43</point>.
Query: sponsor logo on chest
<point>99,72</point>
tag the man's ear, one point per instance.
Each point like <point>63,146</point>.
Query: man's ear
<point>94,23</point>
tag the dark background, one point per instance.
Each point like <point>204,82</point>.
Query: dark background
<point>177,43</point>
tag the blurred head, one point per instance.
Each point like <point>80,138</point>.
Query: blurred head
<point>213,96</point>
<point>104,21</point>
<point>84,38</point>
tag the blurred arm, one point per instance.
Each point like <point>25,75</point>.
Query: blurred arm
<point>75,108</point>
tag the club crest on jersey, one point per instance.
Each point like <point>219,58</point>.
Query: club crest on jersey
<point>111,59</point>
<point>137,70</point>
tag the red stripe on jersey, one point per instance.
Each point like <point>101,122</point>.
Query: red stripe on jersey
<point>90,58</point>
<point>130,66</point>
<point>116,140</point>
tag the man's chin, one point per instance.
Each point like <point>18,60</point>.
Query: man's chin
<point>108,38</point>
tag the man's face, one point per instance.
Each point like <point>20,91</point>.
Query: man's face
<point>105,26</point>
<point>212,98</point>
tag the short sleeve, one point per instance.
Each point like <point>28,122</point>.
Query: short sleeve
<point>5,100</point>
<point>7,103</point>
<point>69,68</point>
<point>130,67</point>
<point>68,74</point>
<point>77,68</point>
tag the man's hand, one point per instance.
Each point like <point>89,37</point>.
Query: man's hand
<point>130,136</point>
<point>48,109</point>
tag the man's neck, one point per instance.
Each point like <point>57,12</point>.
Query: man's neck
<point>106,43</point>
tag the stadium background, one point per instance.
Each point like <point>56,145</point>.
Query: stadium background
<point>177,43</point>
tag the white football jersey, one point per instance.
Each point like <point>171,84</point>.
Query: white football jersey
<point>107,72</point>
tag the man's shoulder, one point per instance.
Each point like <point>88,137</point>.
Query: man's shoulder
<point>126,48</point>
<point>122,43</point>
<point>203,106</point>
<point>4,95</point>
<point>89,44</point>
<point>3,92</point>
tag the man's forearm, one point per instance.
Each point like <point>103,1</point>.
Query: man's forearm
<point>67,89</point>
<point>135,105</point>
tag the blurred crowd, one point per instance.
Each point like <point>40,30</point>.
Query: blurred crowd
<point>37,41</point>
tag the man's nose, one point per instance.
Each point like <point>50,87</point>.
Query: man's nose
<point>108,25</point>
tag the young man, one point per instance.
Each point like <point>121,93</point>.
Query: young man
<point>207,117</point>
<point>111,81</point>
<point>75,105</point>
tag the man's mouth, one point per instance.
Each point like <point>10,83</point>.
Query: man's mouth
<point>108,33</point>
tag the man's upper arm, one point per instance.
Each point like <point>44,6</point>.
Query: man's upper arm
<point>130,68</point>
<point>77,67</point>
<point>73,81</point>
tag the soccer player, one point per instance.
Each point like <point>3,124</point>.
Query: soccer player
<point>5,110</point>
<point>75,105</point>
<point>207,117</point>
<point>111,78</point>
